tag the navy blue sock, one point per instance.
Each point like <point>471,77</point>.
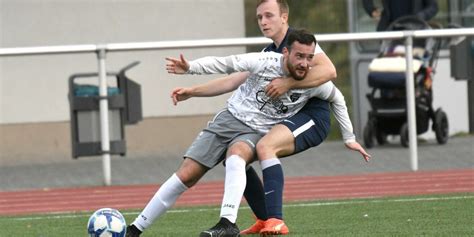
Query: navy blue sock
<point>254,194</point>
<point>273,182</point>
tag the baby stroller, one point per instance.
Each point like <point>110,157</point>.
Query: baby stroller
<point>388,96</point>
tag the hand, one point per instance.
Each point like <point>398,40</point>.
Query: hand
<point>355,146</point>
<point>177,66</point>
<point>180,94</point>
<point>376,14</point>
<point>278,87</point>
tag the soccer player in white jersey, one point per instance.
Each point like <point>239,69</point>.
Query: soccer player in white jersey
<point>272,16</point>
<point>306,129</point>
<point>249,115</point>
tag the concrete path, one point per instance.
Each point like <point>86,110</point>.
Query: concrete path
<point>331,158</point>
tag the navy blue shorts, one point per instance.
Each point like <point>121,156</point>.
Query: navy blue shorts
<point>310,126</point>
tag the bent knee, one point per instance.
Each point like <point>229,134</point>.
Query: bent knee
<point>275,146</point>
<point>266,149</point>
<point>187,179</point>
<point>191,172</point>
<point>242,149</point>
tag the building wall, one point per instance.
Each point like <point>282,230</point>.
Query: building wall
<point>34,109</point>
<point>34,88</point>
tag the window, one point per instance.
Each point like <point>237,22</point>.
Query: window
<point>365,23</point>
<point>467,14</point>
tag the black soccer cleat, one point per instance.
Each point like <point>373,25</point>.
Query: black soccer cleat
<point>133,231</point>
<point>223,228</point>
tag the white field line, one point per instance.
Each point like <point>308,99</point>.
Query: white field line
<point>335,203</point>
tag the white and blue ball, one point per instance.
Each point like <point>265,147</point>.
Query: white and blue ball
<point>106,222</point>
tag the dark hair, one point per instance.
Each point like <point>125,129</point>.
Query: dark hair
<point>283,4</point>
<point>302,36</point>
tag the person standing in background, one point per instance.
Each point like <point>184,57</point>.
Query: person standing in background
<point>394,9</point>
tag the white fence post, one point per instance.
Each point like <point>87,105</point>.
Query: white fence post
<point>104,117</point>
<point>410,92</point>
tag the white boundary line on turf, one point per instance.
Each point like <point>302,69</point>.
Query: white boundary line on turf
<point>333,203</point>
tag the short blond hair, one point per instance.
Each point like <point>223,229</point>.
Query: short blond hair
<point>282,4</point>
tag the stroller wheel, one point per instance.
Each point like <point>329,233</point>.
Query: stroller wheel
<point>381,137</point>
<point>441,126</point>
<point>368,135</point>
<point>404,135</point>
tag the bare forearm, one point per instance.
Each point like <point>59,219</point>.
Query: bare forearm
<point>219,86</point>
<point>316,76</point>
<point>323,71</point>
<point>206,90</point>
<point>211,88</point>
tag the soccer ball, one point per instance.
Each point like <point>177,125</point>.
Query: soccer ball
<point>106,222</point>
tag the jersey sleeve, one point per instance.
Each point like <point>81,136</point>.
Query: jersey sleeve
<point>339,108</point>
<point>328,91</point>
<point>221,65</point>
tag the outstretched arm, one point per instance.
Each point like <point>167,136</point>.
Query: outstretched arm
<point>209,65</point>
<point>211,88</point>
<point>339,108</point>
<point>214,65</point>
<point>322,71</point>
<point>177,66</point>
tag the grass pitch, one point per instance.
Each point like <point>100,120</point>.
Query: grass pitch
<point>435,215</point>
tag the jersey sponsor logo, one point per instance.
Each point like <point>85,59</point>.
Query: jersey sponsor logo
<point>268,59</point>
<point>267,70</point>
<point>295,96</point>
<point>277,104</point>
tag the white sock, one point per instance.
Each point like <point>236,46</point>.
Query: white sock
<point>235,181</point>
<point>163,199</point>
<point>269,162</point>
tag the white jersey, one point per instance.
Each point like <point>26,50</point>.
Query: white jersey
<point>250,104</point>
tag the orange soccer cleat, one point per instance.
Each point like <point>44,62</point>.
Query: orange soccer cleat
<point>274,226</point>
<point>254,229</point>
